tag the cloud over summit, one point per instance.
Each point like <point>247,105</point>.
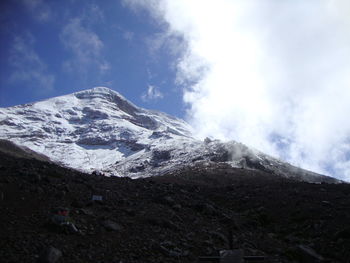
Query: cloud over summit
<point>274,75</point>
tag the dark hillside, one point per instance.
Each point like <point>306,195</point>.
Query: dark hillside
<point>10,148</point>
<point>173,218</point>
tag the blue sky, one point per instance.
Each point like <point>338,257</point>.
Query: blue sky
<point>274,75</point>
<point>52,48</point>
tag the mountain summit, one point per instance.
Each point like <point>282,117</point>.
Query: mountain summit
<point>99,130</point>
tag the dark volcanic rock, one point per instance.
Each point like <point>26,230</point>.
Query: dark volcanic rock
<point>172,218</point>
<point>305,254</point>
<point>343,233</point>
<point>111,225</point>
<point>50,255</point>
<point>161,155</point>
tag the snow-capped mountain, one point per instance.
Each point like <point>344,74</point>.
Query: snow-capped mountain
<point>98,129</point>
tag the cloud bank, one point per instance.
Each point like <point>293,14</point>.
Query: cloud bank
<point>274,75</point>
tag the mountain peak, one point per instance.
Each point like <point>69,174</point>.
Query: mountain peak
<point>98,129</point>
<point>99,92</point>
<point>103,95</point>
<point>94,129</point>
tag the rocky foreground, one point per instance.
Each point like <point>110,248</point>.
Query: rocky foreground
<point>174,218</point>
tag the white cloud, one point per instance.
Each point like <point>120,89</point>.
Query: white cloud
<point>93,14</point>
<point>40,10</point>
<point>125,34</point>
<point>172,43</point>
<point>128,35</point>
<point>274,75</point>
<point>28,67</point>
<point>85,46</point>
<point>152,94</point>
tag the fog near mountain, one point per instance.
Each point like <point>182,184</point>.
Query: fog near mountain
<point>274,75</point>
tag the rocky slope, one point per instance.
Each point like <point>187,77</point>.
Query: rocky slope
<point>12,149</point>
<point>98,129</point>
<point>177,217</point>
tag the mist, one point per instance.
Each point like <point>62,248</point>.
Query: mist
<point>274,75</point>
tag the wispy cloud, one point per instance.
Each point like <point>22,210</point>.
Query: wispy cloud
<point>272,74</point>
<point>28,67</point>
<point>94,13</point>
<point>40,10</point>
<point>125,34</point>
<point>128,35</point>
<point>152,94</point>
<point>84,44</point>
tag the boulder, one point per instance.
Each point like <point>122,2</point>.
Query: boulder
<point>306,254</point>
<point>111,225</point>
<point>50,255</point>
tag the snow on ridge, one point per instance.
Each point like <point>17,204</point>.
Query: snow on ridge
<point>90,129</point>
<point>98,129</point>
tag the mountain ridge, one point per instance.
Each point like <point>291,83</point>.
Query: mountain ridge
<point>99,129</point>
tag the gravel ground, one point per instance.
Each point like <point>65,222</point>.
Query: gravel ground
<point>178,217</point>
